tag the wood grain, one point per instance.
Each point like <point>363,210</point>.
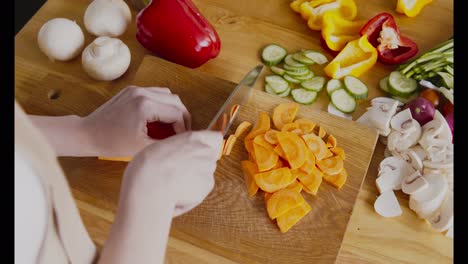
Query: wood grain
<point>244,27</point>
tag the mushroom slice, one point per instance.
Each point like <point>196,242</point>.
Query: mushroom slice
<point>414,183</point>
<point>400,140</point>
<point>392,170</point>
<point>439,150</point>
<point>385,100</point>
<point>443,219</point>
<point>427,201</point>
<point>380,116</point>
<point>433,127</point>
<point>441,165</point>
<point>445,132</point>
<point>419,151</point>
<point>403,121</point>
<point>387,205</point>
<point>412,158</point>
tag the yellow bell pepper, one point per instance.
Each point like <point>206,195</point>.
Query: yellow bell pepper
<point>313,11</point>
<point>338,31</point>
<point>296,5</point>
<point>357,57</point>
<point>411,8</point>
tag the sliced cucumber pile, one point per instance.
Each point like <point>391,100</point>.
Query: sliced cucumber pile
<point>400,85</point>
<point>293,76</point>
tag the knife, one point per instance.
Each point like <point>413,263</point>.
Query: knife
<point>226,115</point>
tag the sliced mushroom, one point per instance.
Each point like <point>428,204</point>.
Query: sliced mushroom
<point>439,150</point>
<point>427,201</point>
<point>381,115</point>
<point>412,158</point>
<point>387,205</point>
<point>445,132</point>
<point>392,170</point>
<point>403,121</point>
<point>400,140</point>
<point>443,218</point>
<point>419,151</point>
<point>414,183</point>
<point>441,165</point>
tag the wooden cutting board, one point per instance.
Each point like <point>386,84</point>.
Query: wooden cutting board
<point>228,222</point>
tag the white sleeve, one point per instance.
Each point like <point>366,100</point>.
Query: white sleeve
<point>30,212</point>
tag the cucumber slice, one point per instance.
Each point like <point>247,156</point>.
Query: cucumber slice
<point>291,62</point>
<point>333,85</point>
<point>291,68</point>
<point>277,83</point>
<point>303,96</point>
<point>400,85</point>
<point>299,57</point>
<point>316,56</point>
<point>277,70</point>
<point>285,93</point>
<point>269,90</point>
<point>405,100</point>
<point>315,84</point>
<point>355,87</point>
<point>291,79</point>
<point>383,84</point>
<point>447,79</point>
<point>305,77</point>
<point>273,54</point>
<point>343,101</point>
<point>296,73</point>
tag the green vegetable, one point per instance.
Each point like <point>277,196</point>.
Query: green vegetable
<point>277,83</point>
<point>315,84</point>
<point>273,54</point>
<point>401,86</point>
<point>333,85</point>
<point>343,101</point>
<point>355,87</point>
<point>277,70</point>
<point>303,96</point>
<point>291,79</point>
<point>293,63</point>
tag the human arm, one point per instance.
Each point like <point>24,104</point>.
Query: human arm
<point>155,188</point>
<point>116,128</point>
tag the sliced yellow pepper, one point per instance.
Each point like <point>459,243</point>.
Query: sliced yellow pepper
<point>411,8</point>
<point>296,5</point>
<point>357,57</point>
<point>313,11</point>
<point>338,31</point>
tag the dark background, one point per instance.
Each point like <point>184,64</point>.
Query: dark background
<point>24,10</point>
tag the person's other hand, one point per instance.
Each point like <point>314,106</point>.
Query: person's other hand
<point>180,169</point>
<point>118,127</point>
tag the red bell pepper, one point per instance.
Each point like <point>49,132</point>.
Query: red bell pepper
<point>384,35</point>
<point>176,30</point>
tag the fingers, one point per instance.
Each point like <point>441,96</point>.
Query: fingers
<point>166,114</point>
<point>171,99</point>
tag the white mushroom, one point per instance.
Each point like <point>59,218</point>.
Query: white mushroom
<point>332,110</point>
<point>437,128</point>
<point>412,158</point>
<point>443,218</point>
<point>414,183</point>
<point>60,39</point>
<point>392,170</point>
<point>445,164</point>
<point>401,140</point>
<point>403,121</point>
<point>106,58</point>
<point>379,116</point>
<point>427,201</point>
<point>107,18</point>
<point>439,150</point>
<point>419,151</point>
<point>385,100</point>
<point>387,205</point>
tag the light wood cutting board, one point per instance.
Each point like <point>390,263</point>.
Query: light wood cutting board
<point>231,224</point>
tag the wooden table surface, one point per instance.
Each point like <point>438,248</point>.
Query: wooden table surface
<point>244,27</point>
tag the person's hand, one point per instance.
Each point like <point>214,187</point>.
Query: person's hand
<point>180,166</point>
<point>166,179</point>
<point>118,127</point>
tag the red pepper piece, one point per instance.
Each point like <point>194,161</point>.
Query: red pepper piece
<point>176,31</point>
<point>383,34</point>
<point>159,130</point>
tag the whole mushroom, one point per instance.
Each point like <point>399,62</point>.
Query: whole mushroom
<point>107,18</point>
<point>106,59</point>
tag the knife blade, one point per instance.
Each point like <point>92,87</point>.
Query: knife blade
<point>226,115</point>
